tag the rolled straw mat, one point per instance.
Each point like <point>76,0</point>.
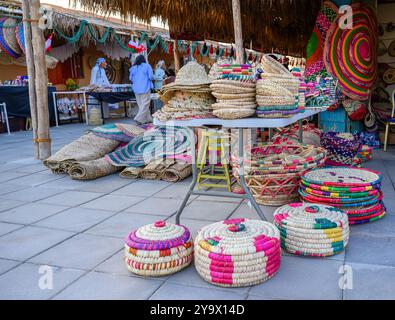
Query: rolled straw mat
<point>154,169</point>
<point>131,172</point>
<point>87,147</point>
<point>93,169</point>
<point>177,172</point>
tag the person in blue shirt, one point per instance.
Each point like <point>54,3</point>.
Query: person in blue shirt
<point>141,76</point>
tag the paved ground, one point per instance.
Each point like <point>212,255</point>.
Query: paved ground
<point>78,229</point>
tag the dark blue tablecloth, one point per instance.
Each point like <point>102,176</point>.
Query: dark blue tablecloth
<point>17,100</point>
<point>112,97</point>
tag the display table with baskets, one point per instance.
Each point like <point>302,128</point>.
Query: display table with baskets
<point>240,125</point>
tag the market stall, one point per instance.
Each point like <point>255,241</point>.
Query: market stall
<point>17,101</point>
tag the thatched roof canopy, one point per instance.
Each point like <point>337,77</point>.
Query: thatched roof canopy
<point>280,25</point>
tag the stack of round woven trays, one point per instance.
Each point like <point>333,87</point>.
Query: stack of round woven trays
<point>273,171</point>
<point>312,230</point>
<point>158,249</point>
<point>234,90</point>
<point>342,148</point>
<point>356,191</point>
<point>238,253</point>
<point>277,93</point>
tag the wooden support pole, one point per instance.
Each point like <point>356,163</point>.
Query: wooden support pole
<point>41,81</point>
<point>238,31</point>
<point>31,74</point>
<point>176,54</point>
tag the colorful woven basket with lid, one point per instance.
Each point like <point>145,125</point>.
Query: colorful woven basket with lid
<point>355,191</point>
<point>312,230</point>
<point>238,253</point>
<point>342,147</point>
<point>158,249</point>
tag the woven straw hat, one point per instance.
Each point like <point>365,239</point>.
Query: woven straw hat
<point>267,87</point>
<point>10,35</point>
<point>270,65</point>
<point>50,62</point>
<point>231,113</point>
<point>230,96</point>
<point>8,41</point>
<point>192,77</point>
<point>219,106</point>
<point>192,74</point>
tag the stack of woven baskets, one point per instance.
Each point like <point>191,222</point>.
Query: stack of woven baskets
<point>311,135</point>
<point>238,253</point>
<point>277,92</point>
<point>365,153</point>
<point>296,72</point>
<point>342,147</point>
<point>355,191</point>
<point>188,97</point>
<point>312,230</point>
<point>158,249</point>
<point>273,173</point>
<point>234,90</point>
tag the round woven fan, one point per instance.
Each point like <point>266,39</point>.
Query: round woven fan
<point>350,54</point>
<point>110,73</point>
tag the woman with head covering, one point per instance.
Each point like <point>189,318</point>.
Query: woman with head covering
<point>159,76</point>
<point>141,76</point>
<point>99,78</point>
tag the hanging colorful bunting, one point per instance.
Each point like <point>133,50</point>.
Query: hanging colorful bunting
<point>211,49</point>
<point>196,49</point>
<point>48,44</point>
<point>351,53</point>
<point>136,47</point>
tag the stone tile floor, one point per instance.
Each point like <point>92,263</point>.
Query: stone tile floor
<point>77,228</point>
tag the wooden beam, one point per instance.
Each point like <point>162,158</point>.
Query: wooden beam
<point>238,31</point>
<point>41,81</point>
<point>30,73</point>
<point>176,54</point>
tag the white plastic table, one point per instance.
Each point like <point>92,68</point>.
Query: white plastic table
<point>240,124</point>
<point>4,116</point>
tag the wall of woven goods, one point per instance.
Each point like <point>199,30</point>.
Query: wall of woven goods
<point>386,17</point>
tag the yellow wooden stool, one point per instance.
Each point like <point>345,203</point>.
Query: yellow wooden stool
<point>212,161</point>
